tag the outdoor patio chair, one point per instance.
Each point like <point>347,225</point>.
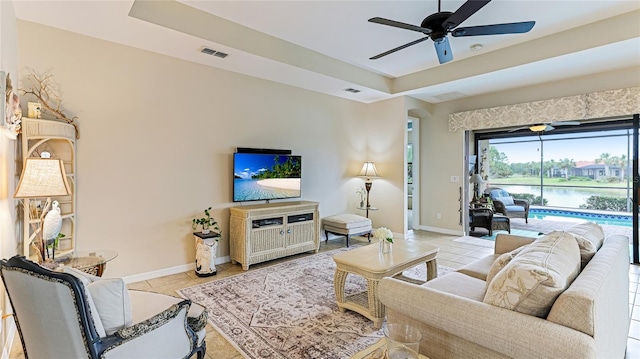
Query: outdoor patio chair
<point>504,203</point>
<point>75,315</point>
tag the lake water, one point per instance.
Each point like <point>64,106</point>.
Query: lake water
<point>566,197</point>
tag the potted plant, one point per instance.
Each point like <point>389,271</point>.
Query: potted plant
<point>206,222</point>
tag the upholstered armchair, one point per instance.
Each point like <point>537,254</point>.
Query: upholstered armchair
<point>71,314</point>
<point>504,203</point>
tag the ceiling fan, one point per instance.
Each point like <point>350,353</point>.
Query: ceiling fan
<point>544,127</point>
<point>437,26</point>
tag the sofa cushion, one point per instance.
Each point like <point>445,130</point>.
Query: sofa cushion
<point>479,268</point>
<point>537,275</point>
<point>459,284</point>
<point>501,262</point>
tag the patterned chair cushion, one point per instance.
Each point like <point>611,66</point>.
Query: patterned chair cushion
<point>506,200</point>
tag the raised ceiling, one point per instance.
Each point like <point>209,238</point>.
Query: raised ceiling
<point>325,46</point>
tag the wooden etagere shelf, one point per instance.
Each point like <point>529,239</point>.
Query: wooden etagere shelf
<point>58,138</point>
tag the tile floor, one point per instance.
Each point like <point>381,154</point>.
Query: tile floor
<point>453,253</point>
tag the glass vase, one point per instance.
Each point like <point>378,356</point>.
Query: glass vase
<point>385,246</point>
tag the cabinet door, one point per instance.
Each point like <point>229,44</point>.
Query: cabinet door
<point>300,233</point>
<point>268,238</point>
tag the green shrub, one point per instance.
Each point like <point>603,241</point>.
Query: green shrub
<point>532,198</point>
<point>579,178</point>
<point>603,203</point>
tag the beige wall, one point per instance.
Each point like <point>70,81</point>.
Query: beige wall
<point>157,136</point>
<point>442,151</point>
<point>9,64</point>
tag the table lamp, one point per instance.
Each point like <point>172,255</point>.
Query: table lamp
<point>368,171</point>
<point>44,177</point>
<point>476,179</point>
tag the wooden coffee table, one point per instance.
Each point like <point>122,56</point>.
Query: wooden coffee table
<point>367,262</point>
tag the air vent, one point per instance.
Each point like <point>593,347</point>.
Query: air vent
<point>450,96</point>
<point>208,51</point>
<point>352,90</point>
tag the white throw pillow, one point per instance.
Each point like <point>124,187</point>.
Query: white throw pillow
<point>534,278</point>
<point>112,302</point>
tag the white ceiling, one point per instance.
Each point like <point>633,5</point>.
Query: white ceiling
<point>325,46</point>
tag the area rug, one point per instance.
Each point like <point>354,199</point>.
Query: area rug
<point>289,310</point>
<point>517,232</point>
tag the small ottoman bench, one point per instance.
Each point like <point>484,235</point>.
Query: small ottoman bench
<point>346,225</point>
<point>500,221</point>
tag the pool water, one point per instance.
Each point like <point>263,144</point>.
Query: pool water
<point>564,214</point>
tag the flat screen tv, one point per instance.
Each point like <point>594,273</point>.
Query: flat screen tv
<point>263,176</point>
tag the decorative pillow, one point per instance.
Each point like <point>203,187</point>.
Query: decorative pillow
<point>501,262</point>
<point>112,302</point>
<point>536,276</point>
<point>590,231</point>
<point>85,277</point>
<point>507,201</point>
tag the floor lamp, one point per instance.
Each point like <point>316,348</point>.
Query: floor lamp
<point>40,178</point>
<point>368,171</point>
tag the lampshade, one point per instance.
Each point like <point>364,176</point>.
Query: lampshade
<point>475,178</point>
<point>42,177</point>
<point>368,170</point>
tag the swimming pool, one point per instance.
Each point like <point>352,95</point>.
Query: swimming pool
<point>564,214</point>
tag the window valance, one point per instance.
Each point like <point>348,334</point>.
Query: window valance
<point>601,104</point>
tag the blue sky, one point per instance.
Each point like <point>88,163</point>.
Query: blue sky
<point>582,149</point>
<point>246,165</point>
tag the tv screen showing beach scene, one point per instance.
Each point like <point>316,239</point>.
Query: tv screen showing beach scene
<point>258,176</point>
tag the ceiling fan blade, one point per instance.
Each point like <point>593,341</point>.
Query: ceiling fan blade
<point>398,48</point>
<point>565,123</point>
<point>443,49</point>
<point>398,24</point>
<point>549,128</point>
<point>518,129</point>
<point>495,29</point>
<point>467,9</point>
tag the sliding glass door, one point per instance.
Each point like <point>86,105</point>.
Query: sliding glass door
<point>588,171</point>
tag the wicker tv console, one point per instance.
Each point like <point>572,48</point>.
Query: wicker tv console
<point>263,232</point>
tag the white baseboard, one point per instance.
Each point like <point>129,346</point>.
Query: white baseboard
<point>442,230</point>
<point>168,271</point>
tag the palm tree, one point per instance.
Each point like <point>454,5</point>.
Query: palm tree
<point>566,164</point>
<point>622,163</point>
<point>607,160</point>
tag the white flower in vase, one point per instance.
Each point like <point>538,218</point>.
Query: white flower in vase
<point>383,233</point>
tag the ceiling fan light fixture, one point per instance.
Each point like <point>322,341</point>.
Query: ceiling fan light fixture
<point>538,128</point>
<point>476,47</point>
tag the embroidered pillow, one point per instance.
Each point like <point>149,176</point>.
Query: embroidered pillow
<point>535,277</point>
<point>501,262</point>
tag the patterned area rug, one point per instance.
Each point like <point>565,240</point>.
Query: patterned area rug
<point>289,310</point>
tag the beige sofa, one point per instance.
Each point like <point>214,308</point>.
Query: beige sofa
<point>587,318</point>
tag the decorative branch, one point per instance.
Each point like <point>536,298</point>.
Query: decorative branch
<point>48,94</point>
